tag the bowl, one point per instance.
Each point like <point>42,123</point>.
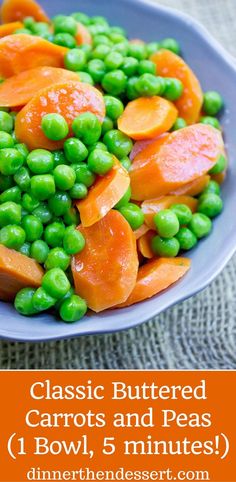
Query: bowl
<point>216,70</point>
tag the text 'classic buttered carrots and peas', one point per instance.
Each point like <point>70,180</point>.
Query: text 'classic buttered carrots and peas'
<point>111,160</point>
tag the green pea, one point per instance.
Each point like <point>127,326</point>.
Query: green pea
<point>119,30</point>
<point>219,166</point>
<point>10,213</point>
<point>57,258</point>
<point>166,247</point>
<point>210,204</point>
<point>122,48</point>
<point>212,103</point>
<point>64,177</point>
<point>107,125</point>
<point>138,51</point>
<point>211,121</point>
<point>39,251</point>
<point>97,145</point>
<point>29,203</point>
<point>100,162</point>
<point>146,67</point>
<point>73,309</point>
<point>54,127</point>
<point>59,203</point>
<point>23,302</point>
<point>10,161</point>
<point>43,213</point>
<point>22,148</point>
<point>13,194</point>
<point>25,249</point>
<point>173,89</point>
<point>41,29</point>
<point>118,143</point>
<point>99,19</point>
<point>33,228</point>
<point>183,213</point>
<point>5,182</point>
<point>58,158</point>
<point>65,40</point>
<point>114,107</point>
<point>42,301</point>
<point>85,77</point>
<point>6,140</point>
<point>66,297</point>
<point>75,59</point>
<point>42,186</point>
<point>113,61</point>
<point>78,191</point>
<point>87,49</point>
<point>101,51</point>
<point>71,217</point>
<point>84,175</point>
<point>54,234</point>
<point>167,223</point>
<point>124,200</point>
<point>101,39</point>
<point>96,68</point>
<point>170,44</point>
<point>149,84</point>
<point>29,22</point>
<point>75,150</point>
<point>22,178</point>
<point>200,225</point>
<point>180,123</point>
<point>126,163</point>
<point>130,66</point>
<point>187,239</point>
<point>12,236</point>
<point>117,37</point>
<point>73,241</point>
<point>131,90</point>
<point>81,17</point>
<point>56,283</point>
<point>133,214</point>
<point>6,122</point>
<point>65,24</point>
<point>87,128</point>
<point>212,187</point>
<point>40,161</point>
<point>152,47</point>
<point>114,82</point>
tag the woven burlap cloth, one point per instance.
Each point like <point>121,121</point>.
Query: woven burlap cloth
<point>198,333</point>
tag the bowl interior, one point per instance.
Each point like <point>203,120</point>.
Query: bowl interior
<point>216,71</point>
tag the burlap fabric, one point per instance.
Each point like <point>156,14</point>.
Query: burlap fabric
<point>199,333</point>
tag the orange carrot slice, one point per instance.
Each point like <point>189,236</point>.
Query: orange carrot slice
<point>83,36</point>
<point>156,276</point>
<point>105,271</point>
<point>9,28</point>
<point>189,104</point>
<point>19,89</point>
<point>193,188</point>
<point>153,206</point>
<point>12,10</point>
<point>140,231</point>
<point>16,272</point>
<point>69,99</point>
<point>103,195</point>
<point>22,52</point>
<point>144,244</point>
<point>174,160</point>
<point>147,117</point>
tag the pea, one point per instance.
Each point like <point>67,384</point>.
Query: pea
<point>124,200</point>
<point>100,162</point>
<point>212,103</point>
<point>87,49</point>
<point>22,178</point>
<point>146,67</point>
<point>54,127</point>
<point>43,213</point>
<point>87,128</point>
<point>152,47</point>
<point>29,203</point>
<point>10,213</point>
<point>99,19</point>
<point>23,30</point>
<point>200,225</point>
<point>183,213</point>
<point>23,302</point>
<point>54,234</point>
<point>73,241</point>
<point>10,161</point>
<point>187,239</point>
<point>65,24</point>
<point>40,161</point>
<point>41,29</point>
<point>210,204</point>
<point>101,51</point>
<point>114,82</point>
<point>58,158</point>
<point>78,191</point>
<point>83,174</point>
<point>22,148</point>
<point>55,283</point>
<point>219,166</point>
<point>113,61</point>
<point>64,177</point>
<point>29,22</point>
<point>97,145</point>
<point>75,59</point>
<point>212,187</point>
<point>126,163</point>
<point>42,186</point>
<point>65,40</point>
<point>107,125</point>
<point>13,194</point>
<point>149,84</point>
<point>173,89</point>
<point>75,150</point>
<point>167,223</point>
<point>71,217</point>
<point>5,140</point>
<point>118,143</point>
<point>98,29</point>
<point>117,37</point>
<point>25,249</point>
<point>138,51</point>
<point>73,309</point>
<point>211,121</point>
<point>101,39</point>
<point>68,295</point>
<point>133,214</point>
<point>96,68</point>
<point>180,123</point>
<point>39,251</point>
<point>6,122</point>
<point>170,44</point>
<point>81,17</point>
<point>59,203</point>
<point>57,258</point>
<point>33,228</point>
<point>121,47</point>
<point>130,66</point>
<point>114,107</point>
<point>166,247</point>
<point>42,301</point>
<point>118,30</point>
<point>85,77</point>
<point>12,236</point>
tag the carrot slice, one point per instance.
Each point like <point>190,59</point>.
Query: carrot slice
<point>144,244</point>
<point>83,36</point>
<point>105,271</point>
<point>16,272</point>
<point>156,276</point>
<point>21,52</point>
<point>153,206</point>
<point>189,104</point>
<point>174,160</point>
<point>69,99</point>
<point>19,89</point>
<point>12,10</point>
<point>140,231</point>
<point>9,28</point>
<point>103,195</point>
<point>193,188</point>
<point>147,117</point>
